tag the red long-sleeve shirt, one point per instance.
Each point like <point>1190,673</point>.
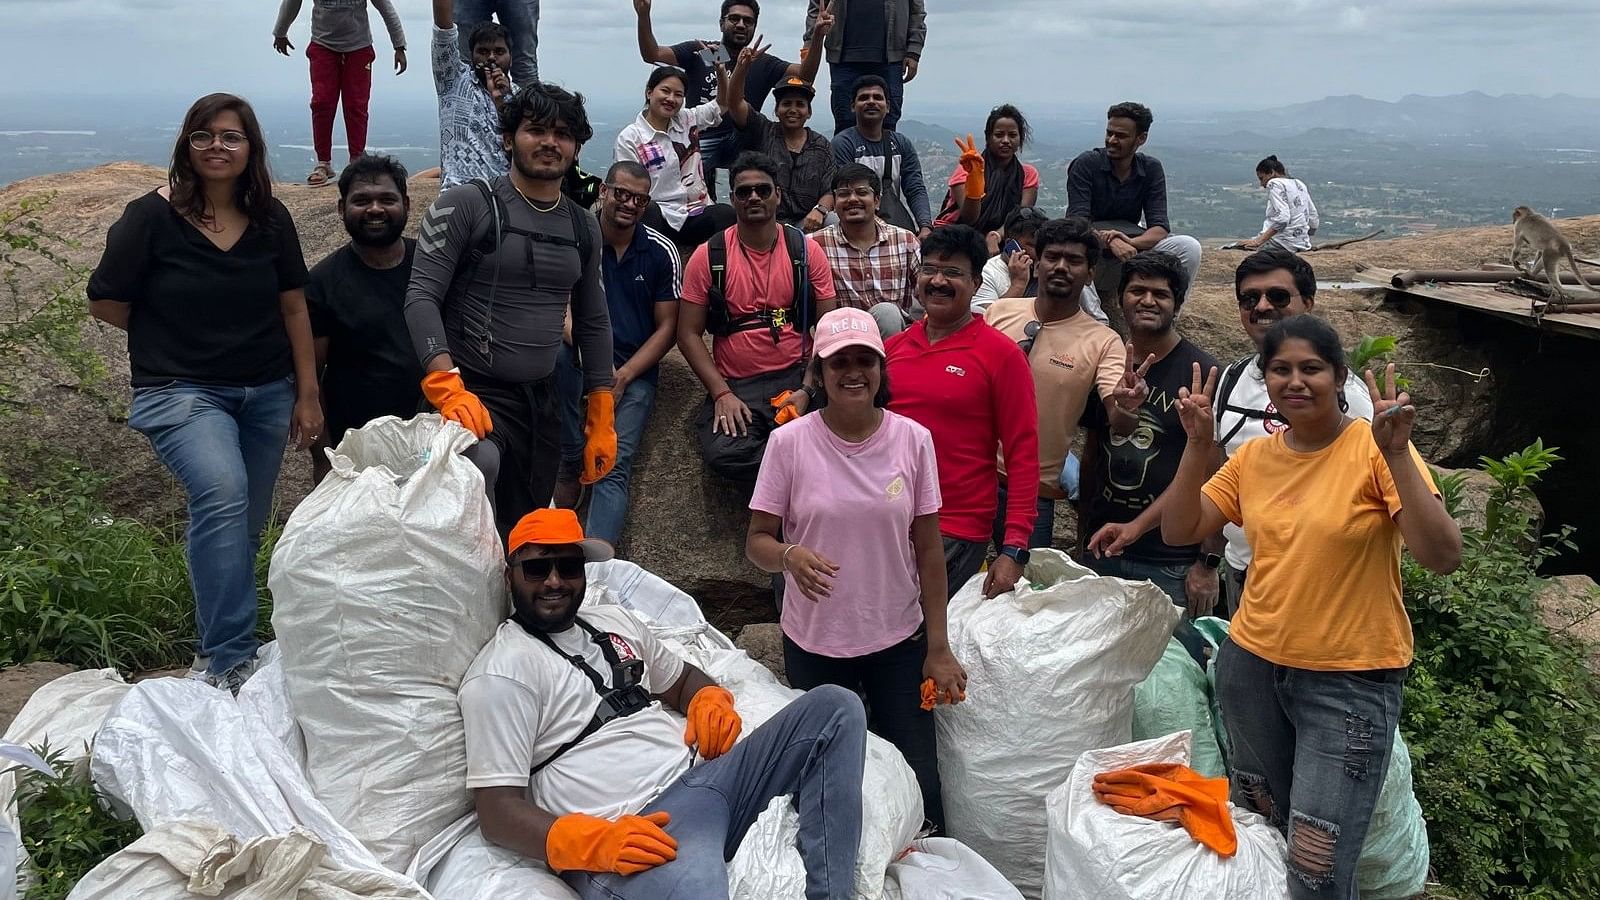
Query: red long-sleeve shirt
<point>974,392</point>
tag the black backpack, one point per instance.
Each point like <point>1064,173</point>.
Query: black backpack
<point>1230,380</point>
<point>720,324</point>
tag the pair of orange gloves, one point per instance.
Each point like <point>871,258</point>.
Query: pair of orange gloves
<point>449,395</point>
<point>632,844</point>
<point>1167,792</point>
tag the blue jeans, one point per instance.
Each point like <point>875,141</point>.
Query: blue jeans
<point>608,503</point>
<point>521,20</point>
<point>842,80</point>
<point>224,444</point>
<point>1043,525</point>
<point>815,749</point>
<point>1310,752</point>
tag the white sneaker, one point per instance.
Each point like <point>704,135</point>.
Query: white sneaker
<point>234,679</point>
<point>200,670</point>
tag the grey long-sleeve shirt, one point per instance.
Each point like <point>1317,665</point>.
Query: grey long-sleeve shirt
<point>537,279</point>
<point>341,25</point>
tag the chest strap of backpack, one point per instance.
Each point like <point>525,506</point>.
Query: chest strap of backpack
<point>603,641</point>
<point>1230,380</point>
<point>798,315</point>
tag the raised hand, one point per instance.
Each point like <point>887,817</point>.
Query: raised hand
<point>1194,406</point>
<point>642,7</point>
<point>972,162</point>
<point>824,22</point>
<point>1130,393</point>
<point>1392,413</point>
<point>752,52</point>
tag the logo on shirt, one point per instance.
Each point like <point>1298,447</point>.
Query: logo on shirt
<point>956,370</point>
<point>895,488</point>
<point>625,652</point>
<point>1065,362</point>
<point>638,278</point>
<point>435,228</point>
<point>1273,423</point>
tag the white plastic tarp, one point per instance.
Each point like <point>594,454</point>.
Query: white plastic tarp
<point>1051,668</point>
<point>1097,853</point>
<point>939,868</point>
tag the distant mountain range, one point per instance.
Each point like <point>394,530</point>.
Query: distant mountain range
<point>1414,116</point>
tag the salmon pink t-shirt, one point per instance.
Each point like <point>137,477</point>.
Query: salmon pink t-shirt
<point>853,504</point>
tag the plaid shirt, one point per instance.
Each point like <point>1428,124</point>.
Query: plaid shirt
<point>884,272</point>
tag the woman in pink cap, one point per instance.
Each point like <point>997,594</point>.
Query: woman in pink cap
<point>853,491</point>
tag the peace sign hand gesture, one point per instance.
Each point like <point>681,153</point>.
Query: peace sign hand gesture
<point>1392,414</point>
<point>1131,392</point>
<point>1194,407</point>
<point>824,21</point>
<point>751,53</point>
<point>972,163</point>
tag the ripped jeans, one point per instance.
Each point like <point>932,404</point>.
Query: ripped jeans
<point>1310,751</point>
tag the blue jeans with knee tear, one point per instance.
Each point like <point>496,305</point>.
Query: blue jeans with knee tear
<point>814,749</point>
<point>1310,751</point>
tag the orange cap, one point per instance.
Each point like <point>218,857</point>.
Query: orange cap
<point>556,527</point>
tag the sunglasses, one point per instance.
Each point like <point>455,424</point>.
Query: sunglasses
<point>231,140</point>
<point>1278,297</point>
<point>539,569</point>
<point>625,197</point>
<point>1030,332</point>
<point>746,191</point>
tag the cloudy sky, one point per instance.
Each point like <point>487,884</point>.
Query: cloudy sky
<point>1169,53</point>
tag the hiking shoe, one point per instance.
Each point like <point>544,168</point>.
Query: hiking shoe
<point>200,670</point>
<point>234,678</point>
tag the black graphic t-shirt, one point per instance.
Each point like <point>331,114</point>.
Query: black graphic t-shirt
<point>1129,473</point>
<point>764,75</point>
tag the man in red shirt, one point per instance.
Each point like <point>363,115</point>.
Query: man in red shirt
<point>759,344</point>
<point>970,386</point>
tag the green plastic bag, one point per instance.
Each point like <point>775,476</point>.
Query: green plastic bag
<point>1177,697</point>
<point>1394,860</point>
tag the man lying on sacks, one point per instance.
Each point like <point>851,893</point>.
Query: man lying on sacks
<point>574,759</point>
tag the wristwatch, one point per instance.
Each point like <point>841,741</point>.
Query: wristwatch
<point>1017,553</point>
<point>1211,560</point>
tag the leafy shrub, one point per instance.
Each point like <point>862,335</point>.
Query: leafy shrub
<point>1503,719</point>
<point>66,827</point>
<point>46,321</point>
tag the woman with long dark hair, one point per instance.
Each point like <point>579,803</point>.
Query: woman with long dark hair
<point>987,187</point>
<point>1312,675</point>
<point>205,274</point>
<point>847,508</point>
<point>665,139</point>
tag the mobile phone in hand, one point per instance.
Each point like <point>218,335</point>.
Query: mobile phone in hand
<point>1010,246</point>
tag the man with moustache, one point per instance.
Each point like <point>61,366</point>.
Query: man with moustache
<point>498,264</point>
<point>969,385</point>
<point>1270,285</point>
<point>356,297</point>
<point>574,759</point>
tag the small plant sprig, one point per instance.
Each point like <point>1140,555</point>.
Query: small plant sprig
<point>67,828</point>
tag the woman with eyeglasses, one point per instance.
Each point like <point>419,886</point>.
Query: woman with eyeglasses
<point>665,139</point>
<point>987,187</point>
<point>1312,675</point>
<point>206,275</point>
<point>847,507</point>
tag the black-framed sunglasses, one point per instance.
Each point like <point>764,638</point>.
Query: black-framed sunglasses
<point>625,197</point>
<point>744,191</point>
<point>538,569</point>
<point>1277,296</point>
<point>1030,332</point>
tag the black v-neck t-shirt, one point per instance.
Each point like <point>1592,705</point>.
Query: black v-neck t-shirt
<point>201,314</point>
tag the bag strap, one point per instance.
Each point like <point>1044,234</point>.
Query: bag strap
<point>1230,380</point>
<point>716,296</point>
<point>602,640</point>
<point>795,241</point>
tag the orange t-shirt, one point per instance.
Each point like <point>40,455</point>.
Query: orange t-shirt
<point>1324,587</point>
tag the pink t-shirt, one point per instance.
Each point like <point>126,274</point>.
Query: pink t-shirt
<point>852,503</point>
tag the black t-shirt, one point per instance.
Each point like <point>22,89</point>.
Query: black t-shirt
<point>1129,473</point>
<point>200,313</point>
<point>764,75</point>
<point>372,370</point>
<point>866,29</point>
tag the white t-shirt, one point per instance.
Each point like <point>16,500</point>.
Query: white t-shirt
<point>672,157</point>
<point>1290,210</point>
<point>1251,393</point>
<point>997,280</point>
<point>520,702</point>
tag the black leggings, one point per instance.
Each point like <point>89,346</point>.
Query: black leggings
<point>891,680</point>
<point>696,230</point>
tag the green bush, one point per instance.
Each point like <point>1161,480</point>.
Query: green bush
<point>66,827</point>
<point>48,320</point>
<point>1502,718</point>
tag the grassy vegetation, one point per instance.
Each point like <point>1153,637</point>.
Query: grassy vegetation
<point>66,827</point>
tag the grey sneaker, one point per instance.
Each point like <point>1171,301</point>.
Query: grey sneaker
<point>234,678</point>
<point>200,670</point>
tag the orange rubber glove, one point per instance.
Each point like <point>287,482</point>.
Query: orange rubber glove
<point>627,846</point>
<point>451,398</point>
<point>713,722</point>
<point>932,696</point>
<point>600,436</point>
<point>785,413</point>
<point>1167,792</point>
<point>972,161</point>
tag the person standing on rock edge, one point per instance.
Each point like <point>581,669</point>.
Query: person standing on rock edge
<point>519,18</point>
<point>357,298</point>
<point>471,93</point>
<point>865,553</point>
<point>882,38</point>
<point>497,265</point>
<point>217,386</point>
<point>1271,285</point>
<point>341,58</point>
<point>970,386</point>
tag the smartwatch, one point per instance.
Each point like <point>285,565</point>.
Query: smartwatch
<point>1211,560</point>
<point>1017,553</point>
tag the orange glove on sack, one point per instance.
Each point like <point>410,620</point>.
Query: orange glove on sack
<point>600,436</point>
<point>972,161</point>
<point>785,413</point>
<point>713,723</point>
<point>932,696</point>
<point>627,846</point>
<point>1167,792</point>
<point>453,401</point>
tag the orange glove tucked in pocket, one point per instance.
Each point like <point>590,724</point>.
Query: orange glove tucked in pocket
<point>627,846</point>
<point>1168,792</point>
<point>600,436</point>
<point>713,723</point>
<point>451,398</point>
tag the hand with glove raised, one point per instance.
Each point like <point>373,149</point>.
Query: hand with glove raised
<point>451,398</point>
<point>600,436</point>
<point>972,161</point>
<point>713,723</point>
<point>628,846</point>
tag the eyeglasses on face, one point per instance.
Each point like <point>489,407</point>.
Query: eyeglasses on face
<point>625,197</point>
<point>1277,296</point>
<point>949,272</point>
<point>844,193</point>
<point>736,19</point>
<point>538,569</point>
<point>745,191</point>
<point>1030,332</point>
<point>231,140</point>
